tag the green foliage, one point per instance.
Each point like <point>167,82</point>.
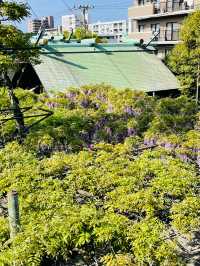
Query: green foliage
<point>101,40</point>
<point>86,117</point>
<point>16,50</point>
<point>82,33</point>
<point>13,11</point>
<point>186,214</point>
<point>93,190</point>
<point>97,203</point>
<point>66,35</point>
<point>184,59</point>
<point>174,116</point>
<point>19,41</point>
<point>159,251</point>
<point>90,190</point>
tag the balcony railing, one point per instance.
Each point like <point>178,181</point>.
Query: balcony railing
<point>160,7</point>
<point>168,35</point>
<point>165,35</point>
<point>172,6</point>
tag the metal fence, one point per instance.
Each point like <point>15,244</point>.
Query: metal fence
<point>168,35</point>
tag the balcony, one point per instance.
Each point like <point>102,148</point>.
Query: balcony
<point>172,6</point>
<point>168,36</point>
<point>164,8</point>
<point>165,36</point>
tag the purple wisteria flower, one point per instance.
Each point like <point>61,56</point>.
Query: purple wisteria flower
<point>101,97</point>
<point>90,147</point>
<point>100,123</point>
<point>85,103</point>
<point>97,106</point>
<point>150,142</point>
<point>162,144</point>
<point>130,111</point>
<point>85,136</point>
<point>198,160</point>
<point>196,150</point>
<point>131,132</point>
<point>52,104</point>
<point>71,95</point>
<point>169,145</point>
<point>183,157</point>
<point>87,92</point>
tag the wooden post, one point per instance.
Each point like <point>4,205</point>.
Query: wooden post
<point>13,213</point>
<point>198,82</point>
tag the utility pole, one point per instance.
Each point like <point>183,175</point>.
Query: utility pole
<point>85,13</point>
<point>41,31</point>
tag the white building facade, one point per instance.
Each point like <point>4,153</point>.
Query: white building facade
<point>72,22</point>
<point>54,31</point>
<point>114,31</point>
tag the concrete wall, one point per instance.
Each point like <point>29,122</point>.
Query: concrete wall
<point>137,11</point>
<point>146,36</point>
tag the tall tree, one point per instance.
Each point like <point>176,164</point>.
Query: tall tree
<point>16,51</point>
<point>185,57</point>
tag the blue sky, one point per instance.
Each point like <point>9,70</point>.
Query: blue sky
<point>104,9</point>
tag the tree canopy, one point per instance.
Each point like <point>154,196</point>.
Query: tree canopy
<point>185,57</point>
<point>16,51</point>
<point>81,33</point>
<point>15,46</point>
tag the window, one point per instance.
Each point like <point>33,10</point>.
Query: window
<point>141,2</point>
<point>141,28</point>
<point>172,31</point>
<point>155,27</point>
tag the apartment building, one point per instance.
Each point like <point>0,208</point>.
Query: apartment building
<point>72,22</point>
<point>50,20</point>
<point>160,18</point>
<point>54,31</point>
<point>111,30</point>
<point>35,24</point>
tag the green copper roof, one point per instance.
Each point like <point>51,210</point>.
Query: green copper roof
<point>121,65</point>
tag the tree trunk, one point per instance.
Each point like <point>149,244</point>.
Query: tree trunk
<point>17,113</point>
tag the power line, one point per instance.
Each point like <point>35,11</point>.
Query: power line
<point>33,12</point>
<point>85,12</point>
<point>68,7</point>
